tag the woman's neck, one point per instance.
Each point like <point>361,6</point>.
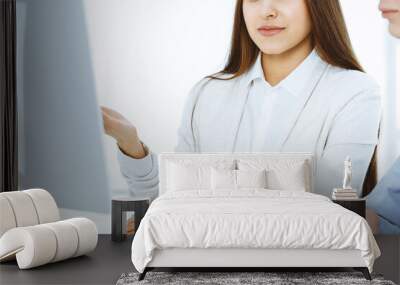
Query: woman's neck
<point>277,67</point>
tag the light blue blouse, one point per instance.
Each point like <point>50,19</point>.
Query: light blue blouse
<point>328,111</point>
<point>266,102</point>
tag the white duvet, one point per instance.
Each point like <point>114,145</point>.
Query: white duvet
<point>251,218</point>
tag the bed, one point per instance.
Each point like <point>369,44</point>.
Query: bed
<point>247,210</point>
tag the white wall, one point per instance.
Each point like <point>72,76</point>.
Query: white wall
<point>147,56</point>
<point>367,32</point>
<point>391,134</point>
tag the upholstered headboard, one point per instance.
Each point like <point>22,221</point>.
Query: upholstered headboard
<point>166,157</point>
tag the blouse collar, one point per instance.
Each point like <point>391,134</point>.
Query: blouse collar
<point>296,81</point>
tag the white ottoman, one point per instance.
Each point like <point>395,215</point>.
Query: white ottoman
<point>31,232</point>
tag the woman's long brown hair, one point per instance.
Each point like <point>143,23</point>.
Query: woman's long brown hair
<point>329,36</point>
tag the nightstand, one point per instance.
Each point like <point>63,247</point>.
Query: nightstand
<point>355,205</point>
<point>119,207</point>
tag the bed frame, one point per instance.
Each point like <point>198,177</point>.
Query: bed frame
<point>248,259</point>
<point>260,259</point>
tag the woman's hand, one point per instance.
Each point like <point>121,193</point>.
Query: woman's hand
<point>118,127</point>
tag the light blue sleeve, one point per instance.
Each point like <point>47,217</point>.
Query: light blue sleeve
<point>384,199</point>
<point>387,228</point>
<point>141,174</point>
<point>354,133</point>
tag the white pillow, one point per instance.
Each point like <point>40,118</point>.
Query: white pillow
<point>282,174</point>
<point>251,178</point>
<point>237,179</point>
<point>223,179</point>
<point>187,177</point>
<point>187,174</point>
<point>289,179</point>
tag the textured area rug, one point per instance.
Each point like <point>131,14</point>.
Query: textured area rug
<point>230,278</point>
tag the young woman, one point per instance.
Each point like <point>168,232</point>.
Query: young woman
<point>291,84</point>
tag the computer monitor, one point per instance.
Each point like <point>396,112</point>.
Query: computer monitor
<point>61,133</point>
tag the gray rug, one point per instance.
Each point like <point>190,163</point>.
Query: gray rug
<point>231,278</point>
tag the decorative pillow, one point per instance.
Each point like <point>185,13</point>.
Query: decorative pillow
<point>236,179</point>
<point>282,174</point>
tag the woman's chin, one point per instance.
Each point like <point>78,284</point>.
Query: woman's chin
<point>394,30</point>
<point>273,49</point>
